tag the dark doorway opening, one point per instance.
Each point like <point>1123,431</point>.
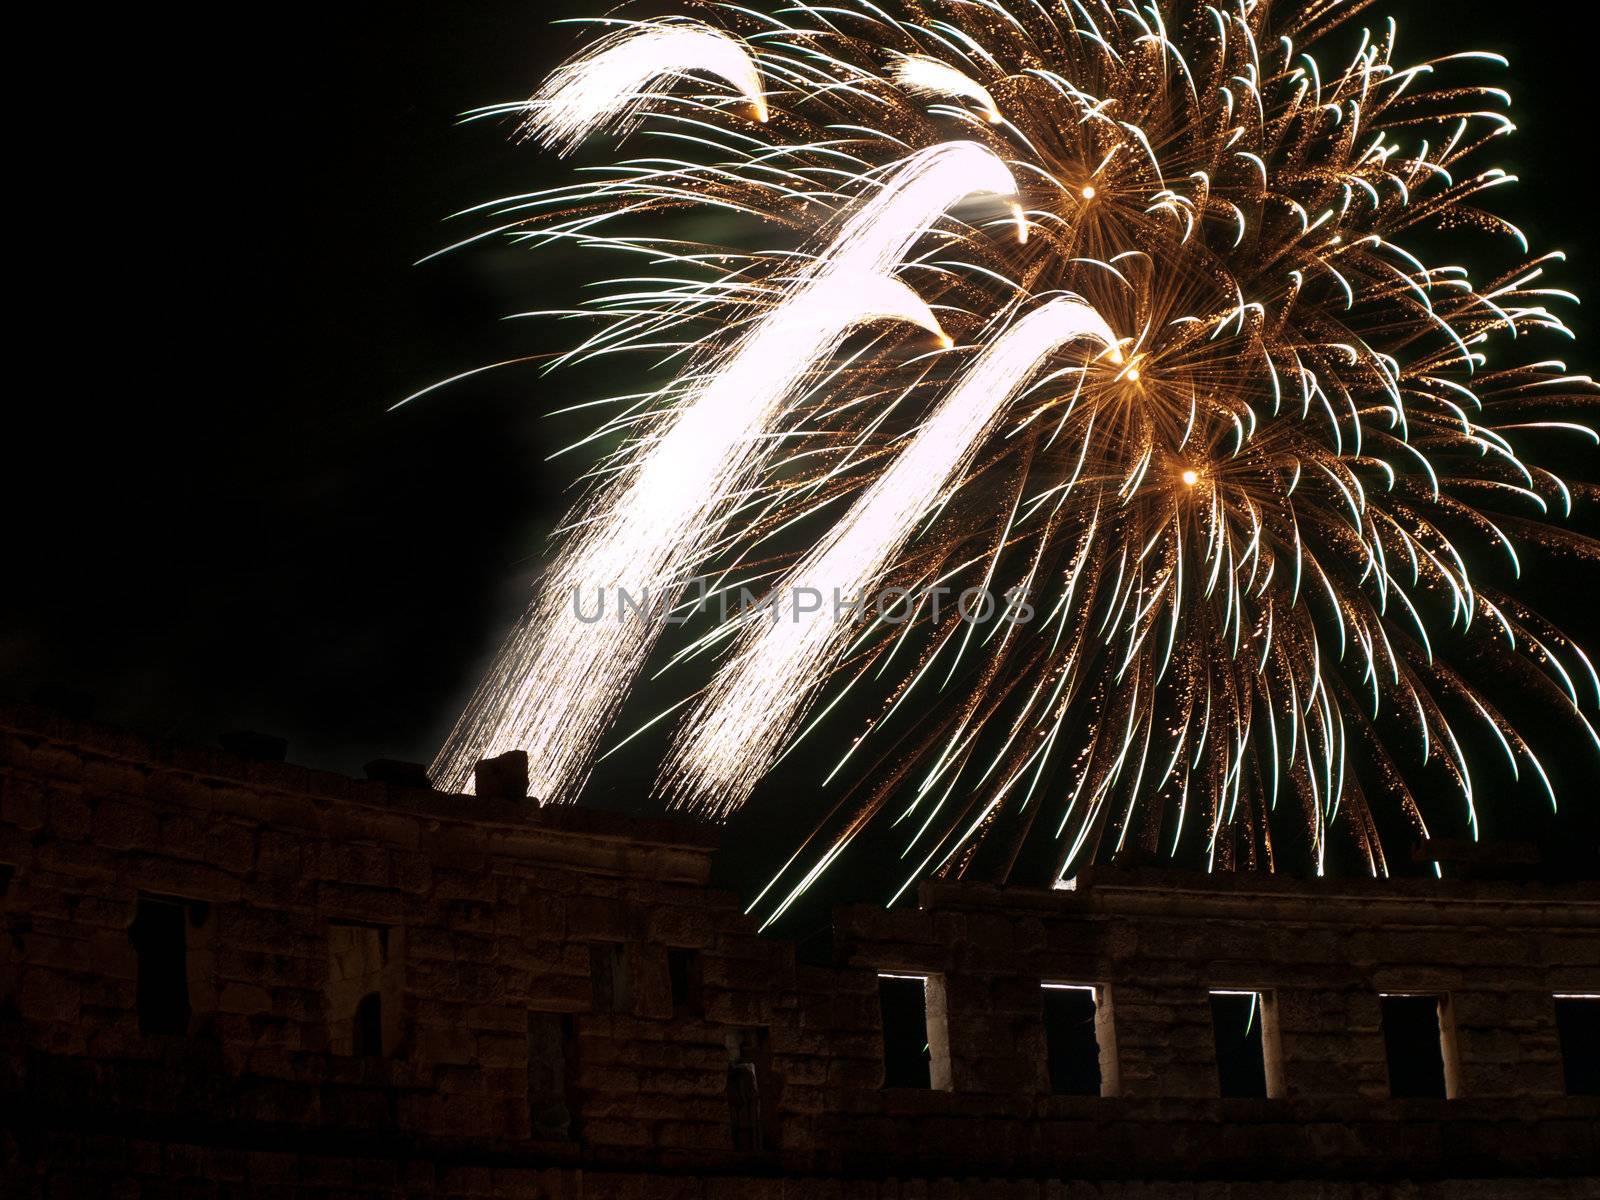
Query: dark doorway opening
<point>1072,1046</point>
<point>1237,1024</point>
<point>366,1032</point>
<point>1578,1022</point>
<point>1414,1047</point>
<point>906,1055</point>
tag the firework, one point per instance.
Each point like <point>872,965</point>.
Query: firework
<point>1205,410</point>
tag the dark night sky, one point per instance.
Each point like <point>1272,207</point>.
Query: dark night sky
<point>220,524</point>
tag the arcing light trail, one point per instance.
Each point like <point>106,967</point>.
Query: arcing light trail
<point>733,736</point>
<point>611,83</point>
<point>559,680</point>
<point>920,75</point>
<point>1248,544</point>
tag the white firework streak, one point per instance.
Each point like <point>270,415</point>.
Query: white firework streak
<point>560,679</point>
<point>737,730</point>
<point>611,82</point>
<point>921,75</point>
<point>562,675</point>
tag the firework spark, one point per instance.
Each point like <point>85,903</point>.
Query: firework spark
<point>611,84</point>
<point>919,75</point>
<point>1246,540</point>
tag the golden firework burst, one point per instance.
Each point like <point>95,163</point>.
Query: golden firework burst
<point>1123,313</point>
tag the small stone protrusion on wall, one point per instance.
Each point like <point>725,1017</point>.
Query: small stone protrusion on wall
<point>502,778</point>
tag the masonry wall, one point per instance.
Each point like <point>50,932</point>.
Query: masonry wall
<point>386,991</point>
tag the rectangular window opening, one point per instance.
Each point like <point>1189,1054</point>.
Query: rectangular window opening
<point>1416,1044</point>
<point>1244,1028</point>
<point>160,933</point>
<point>1073,1048</point>
<point>683,969</point>
<point>1578,1024</point>
<point>552,1055</point>
<point>916,1048</point>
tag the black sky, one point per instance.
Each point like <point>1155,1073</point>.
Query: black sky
<point>215,520</point>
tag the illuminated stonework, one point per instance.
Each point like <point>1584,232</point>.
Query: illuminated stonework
<point>254,977</point>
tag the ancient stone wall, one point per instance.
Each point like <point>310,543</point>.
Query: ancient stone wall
<point>221,976</point>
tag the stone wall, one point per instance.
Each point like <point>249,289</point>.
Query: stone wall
<point>220,976</point>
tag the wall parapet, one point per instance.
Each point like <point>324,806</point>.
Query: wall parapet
<point>213,956</point>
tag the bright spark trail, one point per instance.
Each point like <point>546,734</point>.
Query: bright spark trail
<point>561,677</point>
<point>736,732</point>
